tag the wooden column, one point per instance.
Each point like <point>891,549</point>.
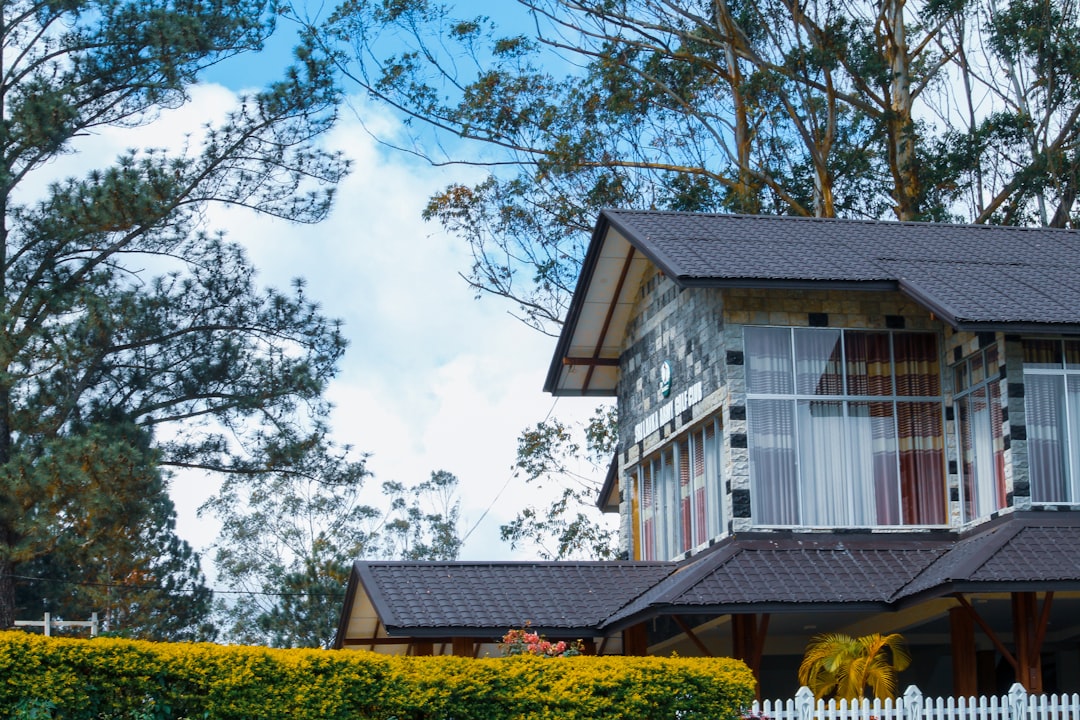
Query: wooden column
<point>423,647</point>
<point>463,646</point>
<point>748,642</point>
<point>964,665</point>
<point>1027,638</point>
<point>635,640</point>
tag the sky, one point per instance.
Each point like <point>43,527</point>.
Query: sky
<point>434,379</point>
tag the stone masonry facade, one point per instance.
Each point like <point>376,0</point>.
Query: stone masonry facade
<point>698,333</point>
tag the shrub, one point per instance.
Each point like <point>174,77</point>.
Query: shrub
<point>112,678</point>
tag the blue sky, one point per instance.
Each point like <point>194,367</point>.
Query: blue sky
<point>434,379</point>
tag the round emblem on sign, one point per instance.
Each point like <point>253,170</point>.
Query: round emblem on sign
<point>665,378</point>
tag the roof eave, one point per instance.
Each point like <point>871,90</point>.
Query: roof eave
<point>346,608</point>
<point>577,301</point>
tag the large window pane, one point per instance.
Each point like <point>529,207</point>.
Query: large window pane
<point>1052,404</point>
<point>921,442</point>
<point>918,373</point>
<point>847,461</point>
<point>979,431</point>
<point>768,360</point>
<point>686,518</point>
<point>667,522</point>
<point>774,478</point>
<point>817,362</point>
<point>869,363</point>
<point>1047,437</point>
<point>825,487</point>
<point>648,512</point>
<point>872,434</point>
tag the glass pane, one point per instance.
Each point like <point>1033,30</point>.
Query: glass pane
<point>1042,354</point>
<point>978,372</point>
<point>1073,402</point>
<point>648,513</point>
<point>685,498</point>
<point>873,473</point>
<point>667,520</point>
<point>773,473</point>
<point>1045,410</point>
<point>993,364</point>
<point>699,486</point>
<point>869,367</point>
<point>961,377</point>
<point>713,479</point>
<point>634,482</point>
<point>1072,355</point>
<point>826,483</point>
<point>982,453</point>
<point>817,362</point>
<point>917,369</point>
<point>768,360</point>
<point>921,443</point>
<point>997,436</point>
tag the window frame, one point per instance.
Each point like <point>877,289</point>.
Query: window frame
<point>1070,451</point>
<point>847,402</point>
<point>660,533</point>
<point>990,387</point>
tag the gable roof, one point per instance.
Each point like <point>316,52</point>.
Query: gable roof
<point>974,277</point>
<point>439,599</point>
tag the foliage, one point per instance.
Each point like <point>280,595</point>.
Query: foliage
<point>108,678</point>
<point>523,641</point>
<point>870,108</point>
<point>843,666</point>
<point>132,337</point>
<point>961,110</point>
<point>288,542</point>
<point>141,579</point>
<point>570,526</point>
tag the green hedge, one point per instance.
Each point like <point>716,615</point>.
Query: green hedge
<point>110,678</point>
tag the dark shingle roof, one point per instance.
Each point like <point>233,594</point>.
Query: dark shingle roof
<point>434,596</point>
<point>1037,549</point>
<point>970,274</point>
<point>973,277</point>
<point>758,572</point>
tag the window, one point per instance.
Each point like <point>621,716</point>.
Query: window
<point>980,438</point>
<point>1052,406</point>
<point>678,495</point>
<point>845,427</point>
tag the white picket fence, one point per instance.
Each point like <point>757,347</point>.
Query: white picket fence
<point>912,705</point>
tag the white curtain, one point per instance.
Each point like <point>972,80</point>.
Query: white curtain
<point>1044,401</point>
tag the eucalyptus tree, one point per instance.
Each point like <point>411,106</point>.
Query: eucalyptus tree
<point>118,305</point>
<point>946,110</point>
<point>288,542</point>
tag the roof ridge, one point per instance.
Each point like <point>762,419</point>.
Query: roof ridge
<point>829,220</point>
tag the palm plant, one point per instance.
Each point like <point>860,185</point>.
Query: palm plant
<point>842,666</point>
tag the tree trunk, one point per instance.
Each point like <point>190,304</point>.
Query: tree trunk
<point>900,126</point>
<point>7,595</point>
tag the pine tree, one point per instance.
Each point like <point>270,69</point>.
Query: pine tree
<point>118,306</point>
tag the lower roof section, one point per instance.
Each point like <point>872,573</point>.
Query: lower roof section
<point>802,572</point>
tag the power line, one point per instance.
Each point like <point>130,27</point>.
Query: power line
<point>504,486</point>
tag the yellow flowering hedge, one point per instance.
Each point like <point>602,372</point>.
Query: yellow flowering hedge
<point>112,678</point>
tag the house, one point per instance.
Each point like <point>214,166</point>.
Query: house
<point>825,426</point>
